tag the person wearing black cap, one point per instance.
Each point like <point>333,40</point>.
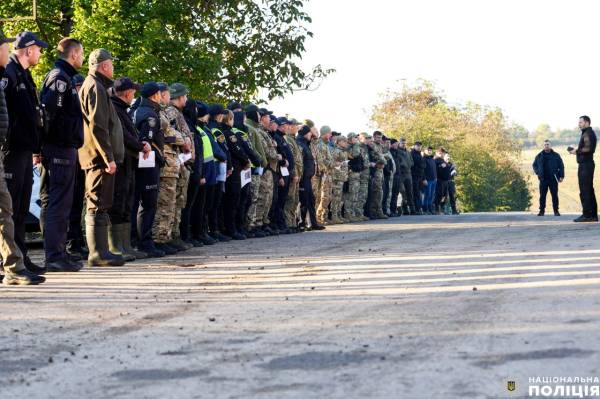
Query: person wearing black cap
<point>241,131</point>
<point>287,171</point>
<point>259,145</point>
<point>305,191</point>
<point>147,122</point>
<point>24,132</point>
<point>233,185</point>
<point>235,106</point>
<point>267,180</point>
<point>215,213</point>
<point>15,272</point>
<point>120,213</point>
<point>102,149</point>
<point>63,136</point>
<point>213,155</point>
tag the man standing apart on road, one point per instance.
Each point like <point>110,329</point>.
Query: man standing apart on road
<point>14,268</point>
<point>550,170</point>
<point>99,155</point>
<point>585,172</point>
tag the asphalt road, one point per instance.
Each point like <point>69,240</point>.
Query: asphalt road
<point>412,307</point>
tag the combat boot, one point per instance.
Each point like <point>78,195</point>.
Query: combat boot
<point>180,245</point>
<point>96,231</point>
<point>126,241</point>
<point>166,248</point>
<point>22,277</point>
<point>114,242</point>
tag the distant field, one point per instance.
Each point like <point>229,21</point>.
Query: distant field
<point>568,191</point>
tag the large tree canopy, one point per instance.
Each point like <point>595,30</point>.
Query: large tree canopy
<point>221,49</point>
<point>480,139</point>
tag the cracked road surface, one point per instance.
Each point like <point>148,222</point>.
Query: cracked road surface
<point>411,307</point>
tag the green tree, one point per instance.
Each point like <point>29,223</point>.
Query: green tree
<point>221,49</point>
<point>480,139</point>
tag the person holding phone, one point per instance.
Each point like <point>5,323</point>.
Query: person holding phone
<point>550,170</point>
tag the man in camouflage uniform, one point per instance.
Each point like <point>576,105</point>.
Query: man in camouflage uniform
<point>178,93</point>
<point>169,174</point>
<point>260,146</point>
<point>265,199</point>
<point>325,162</point>
<point>351,200</point>
<point>390,170</point>
<point>339,177</point>
<point>377,178</point>
<point>365,176</point>
<point>293,199</point>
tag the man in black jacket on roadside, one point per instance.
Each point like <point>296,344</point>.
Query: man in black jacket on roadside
<point>585,172</point>
<point>418,175</point>
<point>550,170</point>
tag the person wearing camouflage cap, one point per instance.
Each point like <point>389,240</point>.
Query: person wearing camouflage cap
<point>177,141</point>
<point>179,96</point>
<point>323,178</point>
<point>339,176</point>
<point>99,155</point>
<point>356,165</point>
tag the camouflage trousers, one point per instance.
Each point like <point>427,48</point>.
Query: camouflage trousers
<point>377,194</point>
<point>165,212</point>
<point>265,199</point>
<point>291,205</point>
<point>388,198</point>
<point>254,194</point>
<point>363,192</point>
<point>324,198</point>
<point>337,199</point>
<point>180,200</point>
<point>351,203</point>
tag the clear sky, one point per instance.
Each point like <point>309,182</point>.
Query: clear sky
<point>536,60</point>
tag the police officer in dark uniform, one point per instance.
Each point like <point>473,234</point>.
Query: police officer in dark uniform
<point>288,163</point>
<point>215,214</point>
<point>15,272</point>
<point>59,153</point>
<point>75,239</point>
<point>233,185</point>
<point>26,123</point>
<point>147,121</point>
<point>241,132</point>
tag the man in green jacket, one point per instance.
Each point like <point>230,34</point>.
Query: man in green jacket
<point>99,155</point>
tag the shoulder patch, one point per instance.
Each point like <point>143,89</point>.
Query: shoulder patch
<point>61,86</point>
<point>3,83</point>
<point>233,139</point>
<point>221,139</point>
<point>152,122</point>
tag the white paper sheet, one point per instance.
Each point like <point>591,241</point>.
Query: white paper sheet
<point>246,176</point>
<point>150,162</point>
<point>184,157</point>
<point>260,170</point>
<point>222,176</point>
<point>284,171</point>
